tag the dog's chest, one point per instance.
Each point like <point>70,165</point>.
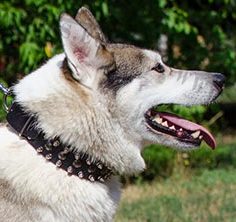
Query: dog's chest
<point>86,202</point>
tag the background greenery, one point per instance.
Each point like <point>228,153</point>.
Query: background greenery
<point>201,35</point>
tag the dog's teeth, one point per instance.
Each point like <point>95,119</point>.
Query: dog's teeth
<point>165,124</point>
<point>196,134</point>
<point>172,127</point>
<point>200,137</point>
<point>158,119</point>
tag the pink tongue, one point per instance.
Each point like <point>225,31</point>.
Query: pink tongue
<point>207,136</point>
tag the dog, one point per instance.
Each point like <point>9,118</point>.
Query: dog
<point>81,119</point>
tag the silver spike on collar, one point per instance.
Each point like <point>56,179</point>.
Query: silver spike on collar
<point>80,165</point>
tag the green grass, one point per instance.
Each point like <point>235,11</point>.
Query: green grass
<point>207,197</point>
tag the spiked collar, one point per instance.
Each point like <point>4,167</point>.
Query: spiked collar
<point>53,150</point>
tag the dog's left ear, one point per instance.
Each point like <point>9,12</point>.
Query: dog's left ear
<point>87,56</point>
<point>85,18</point>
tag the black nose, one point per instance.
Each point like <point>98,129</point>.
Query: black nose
<point>219,80</point>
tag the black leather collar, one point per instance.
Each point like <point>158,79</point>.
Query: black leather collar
<point>53,150</point>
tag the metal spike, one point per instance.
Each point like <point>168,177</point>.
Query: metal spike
<point>62,156</point>
<point>76,163</point>
<point>88,161</point>
<point>91,178</point>
<point>101,179</point>
<point>91,169</point>
<point>80,175</point>
<point>48,147</point>
<point>66,150</point>
<point>70,169</point>
<point>99,166</point>
<point>59,163</point>
<point>77,156</point>
<point>39,149</point>
<point>49,156</point>
<point>56,143</point>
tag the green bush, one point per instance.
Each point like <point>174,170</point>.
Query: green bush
<point>159,161</point>
<point>222,157</point>
<point>29,31</point>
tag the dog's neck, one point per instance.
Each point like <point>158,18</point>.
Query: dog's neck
<point>80,117</point>
<point>78,164</point>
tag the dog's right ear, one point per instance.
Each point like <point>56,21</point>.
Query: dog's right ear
<point>88,21</point>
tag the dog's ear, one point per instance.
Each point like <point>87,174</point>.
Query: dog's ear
<point>86,55</point>
<point>87,20</point>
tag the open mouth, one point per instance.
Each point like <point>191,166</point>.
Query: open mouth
<point>183,130</point>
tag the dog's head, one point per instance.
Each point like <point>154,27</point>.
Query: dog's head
<point>135,82</point>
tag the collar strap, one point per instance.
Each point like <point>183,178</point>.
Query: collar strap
<point>53,150</point>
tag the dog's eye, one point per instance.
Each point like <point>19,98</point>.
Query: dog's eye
<point>158,68</point>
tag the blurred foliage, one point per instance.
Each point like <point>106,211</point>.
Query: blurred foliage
<point>200,33</point>
<point>161,162</point>
<point>229,95</point>
<point>223,157</point>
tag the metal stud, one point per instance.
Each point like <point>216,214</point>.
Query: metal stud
<point>91,178</point>
<point>49,156</point>
<point>56,143</point>
<point>39,149</point>
<point>89,166</point>
<point>70,169</point>
<point>66,150</point>
<point>77,164</point>
<point>91,169</point>
<point>59,163</point>
<point>48,147</point>
<point>88,161</point>
<point>100,166</point>
<point>77,156</point>
<point>80,174</point>
<point>62,156</point>
<point>100,179</point>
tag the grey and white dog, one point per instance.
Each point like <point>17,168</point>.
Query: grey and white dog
<point>104,102</point>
